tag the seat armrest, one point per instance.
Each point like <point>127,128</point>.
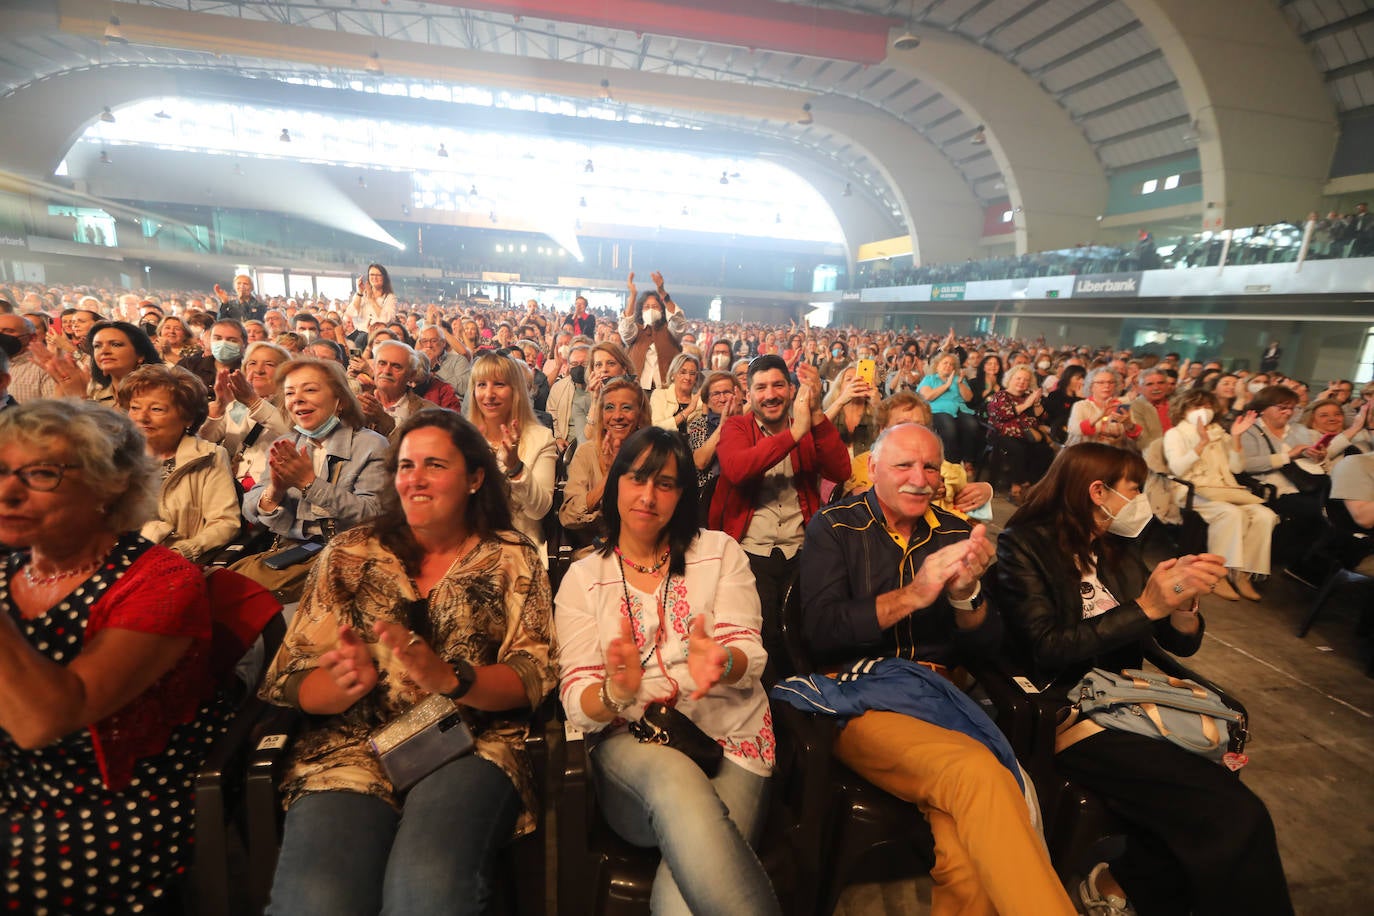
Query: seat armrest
<point>1187,485</point>
<point>272,736</point>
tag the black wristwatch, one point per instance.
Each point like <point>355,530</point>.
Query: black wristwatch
<point>467,676</point>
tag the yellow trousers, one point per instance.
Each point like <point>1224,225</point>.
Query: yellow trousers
<point>989,859</point>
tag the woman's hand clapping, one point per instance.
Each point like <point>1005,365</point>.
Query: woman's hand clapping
<point>1176,584</point>
<point>423,666</point>
<point>623,673</point>
<point>705,658</point>
<point>350,666</point>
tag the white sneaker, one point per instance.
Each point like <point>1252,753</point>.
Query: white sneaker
<point>1094,903</point>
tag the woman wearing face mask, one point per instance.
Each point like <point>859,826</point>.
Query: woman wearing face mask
<point>622,410</point>
<point>245,415</point>
<point>1239,527</point>
<point>327,476</point>
<point>722,354</point>
<point>1076,595</point>
<point>652,328</point>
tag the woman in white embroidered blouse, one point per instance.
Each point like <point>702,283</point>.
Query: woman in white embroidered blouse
<point>668,612</point>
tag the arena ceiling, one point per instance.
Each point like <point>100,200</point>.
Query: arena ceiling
<point>1093,58</point>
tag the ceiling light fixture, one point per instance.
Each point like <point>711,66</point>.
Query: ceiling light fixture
<point>104,157</point>
<point>605,90</point>
<point>806,114</point>
<point>374,64</point>
<point>980,136</point>
<point>725,177</point>
<point>362,182</point>
<point>113,35</point>
<point>162,115</point>
<point>442,153</point>
<point>285,136</point>
<point>908,40</point>
<point>106,115</point>
<point>848,190</point>
<point>589,167</point>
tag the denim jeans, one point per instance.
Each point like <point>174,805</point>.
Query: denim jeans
<point>344,853</point>
<point>705,828</point>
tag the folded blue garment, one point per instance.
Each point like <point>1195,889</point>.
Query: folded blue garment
<point>897,685</point>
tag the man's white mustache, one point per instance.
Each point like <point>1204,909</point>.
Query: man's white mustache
<point>916,491</point>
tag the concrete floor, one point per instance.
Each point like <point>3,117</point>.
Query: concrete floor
<point>1312,746</point>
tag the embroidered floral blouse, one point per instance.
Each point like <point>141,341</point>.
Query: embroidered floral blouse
<point>492,607</point>
<point>718,584</point>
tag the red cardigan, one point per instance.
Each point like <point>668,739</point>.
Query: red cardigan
<point>746,453</point>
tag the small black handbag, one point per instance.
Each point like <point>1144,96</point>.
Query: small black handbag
<point>662,724</point>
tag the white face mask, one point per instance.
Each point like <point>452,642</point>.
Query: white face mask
<point>1255,387</point>
<point>1043,365</point>
<point>1133,517</point>
<point>651,316</point>
<point>720,361</point>
<point>1202,413</point>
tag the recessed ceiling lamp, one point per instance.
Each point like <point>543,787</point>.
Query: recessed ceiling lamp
<point>374,64</point>
<point>285,136</point>
<point>106,115</point>
<point>980,136</point>
<point>113,35</point>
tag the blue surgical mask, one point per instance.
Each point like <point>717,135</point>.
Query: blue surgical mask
<point>225,351</point>
<point>319,432</point>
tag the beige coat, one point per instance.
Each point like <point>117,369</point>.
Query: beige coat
<point>198,508</point>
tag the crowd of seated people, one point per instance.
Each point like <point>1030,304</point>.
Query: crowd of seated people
<point>390,471</point>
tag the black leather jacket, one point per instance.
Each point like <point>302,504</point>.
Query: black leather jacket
<point>1038,594</point>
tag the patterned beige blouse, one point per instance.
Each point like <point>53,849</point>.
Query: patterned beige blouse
<point>493,607</point>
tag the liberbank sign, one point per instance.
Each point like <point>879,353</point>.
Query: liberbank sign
<point>1095,286</point>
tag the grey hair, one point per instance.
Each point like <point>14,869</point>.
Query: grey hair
<point>1153,370</point>
<point>1019,367</point>
<point>1101,370</point>
<point>683,357</point>
<point>411,360</point>
<point>875,453</point>
<point>103,443</point>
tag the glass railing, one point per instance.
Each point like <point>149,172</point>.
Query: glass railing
<point>1276,243</point>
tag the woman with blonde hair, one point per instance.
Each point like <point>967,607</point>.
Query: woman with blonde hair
<point>498,404</point>
<point>675,404</point>
<point>622,410</point>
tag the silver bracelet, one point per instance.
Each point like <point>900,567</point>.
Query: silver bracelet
<point>609,702</point>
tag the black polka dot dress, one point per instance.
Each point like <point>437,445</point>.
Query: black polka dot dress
<point>71,845</point>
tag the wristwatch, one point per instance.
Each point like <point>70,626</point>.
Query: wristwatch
<point>467,676</point>
<point>969,603</point>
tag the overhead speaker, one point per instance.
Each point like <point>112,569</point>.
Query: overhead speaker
<point>906,42</point>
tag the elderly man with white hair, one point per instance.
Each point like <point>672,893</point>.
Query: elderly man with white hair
<point>391,402</point>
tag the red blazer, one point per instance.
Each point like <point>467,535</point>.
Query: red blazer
<point>746,454</point>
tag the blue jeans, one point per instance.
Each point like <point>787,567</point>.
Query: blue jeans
<point>705,828</point>
<point>344,853</point>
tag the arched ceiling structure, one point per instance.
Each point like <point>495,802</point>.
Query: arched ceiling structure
<point>1031,102</point>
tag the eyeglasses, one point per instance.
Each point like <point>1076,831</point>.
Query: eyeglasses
<point>42,478</point>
